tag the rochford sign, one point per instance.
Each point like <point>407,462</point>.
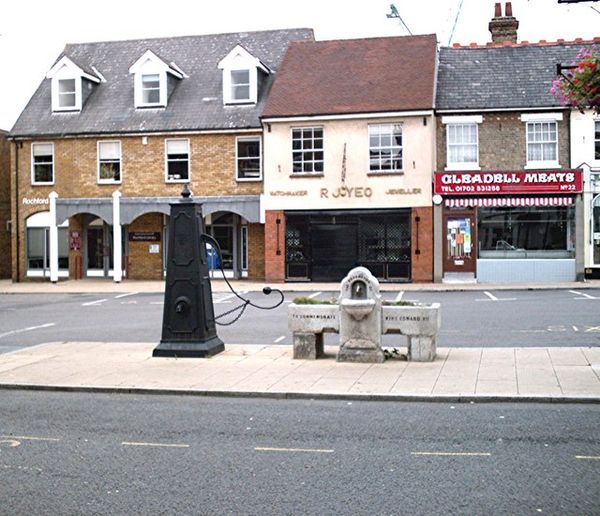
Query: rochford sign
<point>500,183</point>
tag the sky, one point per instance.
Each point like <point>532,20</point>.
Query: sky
<point>34,32</point>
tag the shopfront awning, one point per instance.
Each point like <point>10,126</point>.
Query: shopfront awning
<point>508,202</point>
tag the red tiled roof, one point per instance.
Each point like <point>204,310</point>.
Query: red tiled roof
<point>355,76</point>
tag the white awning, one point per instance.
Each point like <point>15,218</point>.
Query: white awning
<point>508,201</point>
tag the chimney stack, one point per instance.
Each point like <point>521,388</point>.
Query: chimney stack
<point>503,28</point>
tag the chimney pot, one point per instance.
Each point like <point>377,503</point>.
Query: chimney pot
<point>497,10</point>
<point>508,9</point>
<point>503,28</point>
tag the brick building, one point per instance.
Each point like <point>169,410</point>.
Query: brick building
<point>508,202</point>
<point>349,134</point>
<point>113,132</point>
<point>4,206</point>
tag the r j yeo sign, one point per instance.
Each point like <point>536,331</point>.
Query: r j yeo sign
<point>502,183</point>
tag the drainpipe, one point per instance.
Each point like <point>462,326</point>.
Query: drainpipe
<point>16,224</point>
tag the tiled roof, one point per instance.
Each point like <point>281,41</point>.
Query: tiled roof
<point>195,104</point>
<point>355,76</point>
<point>502,76</point>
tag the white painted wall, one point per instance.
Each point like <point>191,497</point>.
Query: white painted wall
<point>582,152</point>
<point>319,193</point>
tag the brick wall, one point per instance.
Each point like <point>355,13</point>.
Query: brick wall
<point>274,240</point>
<point>256,252</point>
<point>422,233</point>
<point>5,242</point>
<point>212,173</point>
<point>503,143</point>
<point>141,263</point>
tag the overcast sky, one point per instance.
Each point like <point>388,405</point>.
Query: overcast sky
<point>33,33</point>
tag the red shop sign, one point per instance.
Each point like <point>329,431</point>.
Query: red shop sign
<point>502,183</point>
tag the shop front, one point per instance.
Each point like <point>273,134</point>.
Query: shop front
<point>85,237</point>
<point>324,245</point>
<point>510,227</point>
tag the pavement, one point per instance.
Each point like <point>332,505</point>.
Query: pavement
<point>548,374</point>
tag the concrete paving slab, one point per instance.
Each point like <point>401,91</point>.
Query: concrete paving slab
<point>261,369</point>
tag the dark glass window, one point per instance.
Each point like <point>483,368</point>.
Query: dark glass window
<point>385,148</point>
<point>178,160</point>
<point>248,158</point>
<point>43,162</point>
<point>307,150</point>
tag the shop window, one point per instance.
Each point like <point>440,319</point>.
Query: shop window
<point>248,159</point>
<point>385,148</point>
<point>42,163</point>
<point>526,232</point>
<point>109,162</point>
<point>177,160</point>
<point>307,150</point>
<point>38,251</point>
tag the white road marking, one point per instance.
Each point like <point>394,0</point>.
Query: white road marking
<point>29,438</point>
<point>223,299</point>
<point>399,296</point>
<point>452,454</point>
<point>157,302</point>
<point>302,450</point>
<point>30,328</point>
<point>315,294</point>
<point>583,295</point>
<point>125,295</point>
<point>279,339</point>
<point>575,328</point>
<point>159,445</point>
<point>94,303</point>
<point>12,443</point>
<point>491,296</point>
<point>587,457</point>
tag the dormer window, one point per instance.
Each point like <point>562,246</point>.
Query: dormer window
<point>242,74</point>
<point>71,85</point>
<point>67,93</point>
<point>154,80</point>
<point>240,85</point>
<point>151,89</point>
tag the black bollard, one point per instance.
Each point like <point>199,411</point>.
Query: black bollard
<point>188,328</point>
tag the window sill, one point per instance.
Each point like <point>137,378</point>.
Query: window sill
<point>386,173</point>
<point>248,179</point>
<point>462,167</point>
<point>307,174</point>
<point>42,184</point>
<point>110,182</point>
<point>176,181</point>
<point>542,164</point>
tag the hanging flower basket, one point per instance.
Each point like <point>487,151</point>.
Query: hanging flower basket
<point>579,87</point>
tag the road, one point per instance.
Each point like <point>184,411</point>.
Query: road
<point>507,318</point>
<point>73,453</point>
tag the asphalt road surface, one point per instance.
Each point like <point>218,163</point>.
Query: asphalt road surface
<point>507,318</point>
<point>73,453</point>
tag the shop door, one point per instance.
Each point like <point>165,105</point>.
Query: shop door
<point>460,238</point>
<point>99,251</point>
<point>334,251</point>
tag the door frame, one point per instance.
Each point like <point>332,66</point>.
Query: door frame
<point>466,263</point>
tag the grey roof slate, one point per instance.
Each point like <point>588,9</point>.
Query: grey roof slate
<point>501,77</point>
<point>110,107</point>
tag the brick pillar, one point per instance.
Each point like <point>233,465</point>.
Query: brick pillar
<point>422,234</point>
<point>274,246</point>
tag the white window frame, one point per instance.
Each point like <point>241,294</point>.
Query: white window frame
<point>239,139</point>
<point>391,170</point>
<point>233,85</point>
<point>595,158</point>
<point>313,161</point>
<point>189,161</point>
<point>536,118</point>
<point>41,183</point>
<point>449,121</point>
<point>239,59</point>
<point>160,102</point>
<point>99,162</point>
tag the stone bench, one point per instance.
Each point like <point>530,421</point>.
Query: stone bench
<point>420,324</point>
